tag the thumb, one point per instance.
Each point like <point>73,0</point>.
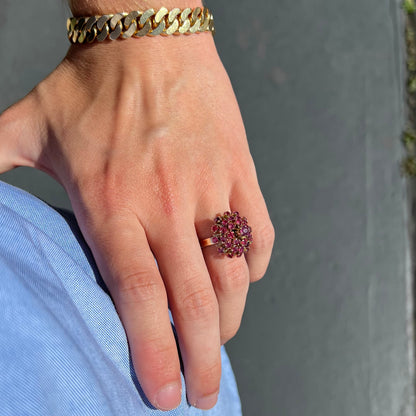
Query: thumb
<point>23,130</point>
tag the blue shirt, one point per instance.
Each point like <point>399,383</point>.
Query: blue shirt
<point>63,349</point>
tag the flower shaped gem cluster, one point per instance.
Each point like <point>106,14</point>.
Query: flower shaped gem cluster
<point>231,234</point>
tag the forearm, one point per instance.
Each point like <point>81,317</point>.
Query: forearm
<point>91,7</point>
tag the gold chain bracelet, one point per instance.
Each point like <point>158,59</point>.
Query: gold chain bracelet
<point>140,23</point>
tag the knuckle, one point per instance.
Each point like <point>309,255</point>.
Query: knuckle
<point>199,305</point>
<point>109,195</point>
<point>157,346</point>
<point>160,357</point>
<point>258,275</point>
<point>227,336</point>
<point>264,238</point>
<point>101,193</point>
<point>138,287</point>
<point>235,277</point>
<point>229,333</point>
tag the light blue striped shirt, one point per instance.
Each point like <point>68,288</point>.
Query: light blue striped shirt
<point>63,349</point>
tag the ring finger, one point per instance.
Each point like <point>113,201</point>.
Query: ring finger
<point>229,276</point>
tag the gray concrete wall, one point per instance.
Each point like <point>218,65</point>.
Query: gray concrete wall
<point>26,57</point>
<point>320,84</point>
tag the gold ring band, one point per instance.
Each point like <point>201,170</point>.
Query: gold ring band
<point>207,242</point>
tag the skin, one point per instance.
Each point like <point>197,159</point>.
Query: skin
<point>147,138</point>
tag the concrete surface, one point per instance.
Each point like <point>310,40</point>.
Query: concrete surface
<point>329,331</point>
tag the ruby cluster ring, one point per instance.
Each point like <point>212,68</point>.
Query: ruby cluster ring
<point>230,234</point>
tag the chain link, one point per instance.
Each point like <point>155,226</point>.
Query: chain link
<point>140,23</point>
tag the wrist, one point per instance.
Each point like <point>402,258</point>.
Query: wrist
<point>161,53</point>
<point>97,7</point>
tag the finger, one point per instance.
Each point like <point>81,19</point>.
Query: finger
<point>248,200</point>
<point>22,131</point>
<point>128,267</point>
<point>194,309</point>
<point>230,278</point>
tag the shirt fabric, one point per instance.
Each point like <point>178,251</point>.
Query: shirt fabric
<point>63,349</point>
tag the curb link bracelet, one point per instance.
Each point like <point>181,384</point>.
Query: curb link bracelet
<point>140,23</point>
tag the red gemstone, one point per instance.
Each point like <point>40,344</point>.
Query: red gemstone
<point>231,234</point>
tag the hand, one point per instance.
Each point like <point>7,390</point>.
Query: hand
<point>147,139</point>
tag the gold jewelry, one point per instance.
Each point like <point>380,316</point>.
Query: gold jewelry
<point>140,23</point>
<point>231,234</point>
<point>207,242</point>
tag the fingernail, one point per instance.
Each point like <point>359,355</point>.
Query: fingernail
<point>207,402</point>
<point>169,396</point>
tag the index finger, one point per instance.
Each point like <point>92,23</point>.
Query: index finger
<point>128,267</point>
